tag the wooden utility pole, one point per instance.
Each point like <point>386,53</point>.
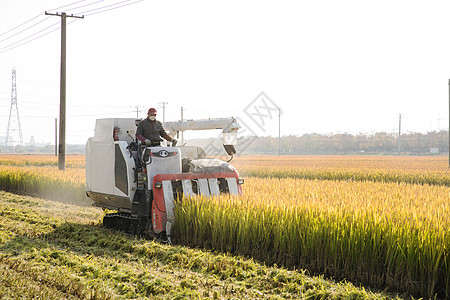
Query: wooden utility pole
<point>138,110</point>
<point>182,118</point>
<point>56,137</point>
<point>62,92</point>
<point>164,110</point>
<point>279,131</point>
<point>399,133</point>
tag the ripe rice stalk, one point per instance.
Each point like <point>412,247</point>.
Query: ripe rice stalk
<point>414,170</point>
<point>45,182</point>
<point>386,235</point>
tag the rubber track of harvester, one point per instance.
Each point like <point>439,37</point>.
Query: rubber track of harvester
<point>123,222</point>
<point>131,226</point>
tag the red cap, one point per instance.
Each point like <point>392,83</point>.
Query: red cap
<point>152,111</point>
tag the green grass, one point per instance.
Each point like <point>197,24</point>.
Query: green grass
<point>51,250</point>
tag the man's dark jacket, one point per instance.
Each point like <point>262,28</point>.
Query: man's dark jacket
<point>152,130</point>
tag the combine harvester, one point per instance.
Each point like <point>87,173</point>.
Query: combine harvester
<point>142,183</point>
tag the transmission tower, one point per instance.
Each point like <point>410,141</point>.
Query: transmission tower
<point>14,128</point>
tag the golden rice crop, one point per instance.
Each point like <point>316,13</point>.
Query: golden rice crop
<point>47,182</point>
<point>72,161</point>
<point>387,235</point>
<point>404,163</point>
<point>412,177</point>
<point>420,170</point>
<point>243,163</point>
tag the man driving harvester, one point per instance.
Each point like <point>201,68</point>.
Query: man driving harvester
<point>150,130</point>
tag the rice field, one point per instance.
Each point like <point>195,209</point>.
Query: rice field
<point>72,161</point>
<point>405,163</point>
<point>414,170</point>
<point>385,235</point>
<point>46,182</point>
<point>377,221</point>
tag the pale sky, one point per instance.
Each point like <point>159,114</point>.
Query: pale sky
<point>331,66</point>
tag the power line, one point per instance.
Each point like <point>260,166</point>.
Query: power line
<point>73,106</point>
<point>75,115</point>
<point>89,4</point>
<point>30,36</point>
<point>17,33</point>
<point>67,5</point>
<point>99,8</point>
<point>21,24</point>
<point>115,7</point>
<point>86,11</point>
<point>11,46</point>
<point>34,38</point>
<point>39,15</point>
<point>105,114</point>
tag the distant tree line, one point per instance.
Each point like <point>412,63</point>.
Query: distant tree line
<point>345,143</point>
<point>307,144</point>
<point>47,149</point>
